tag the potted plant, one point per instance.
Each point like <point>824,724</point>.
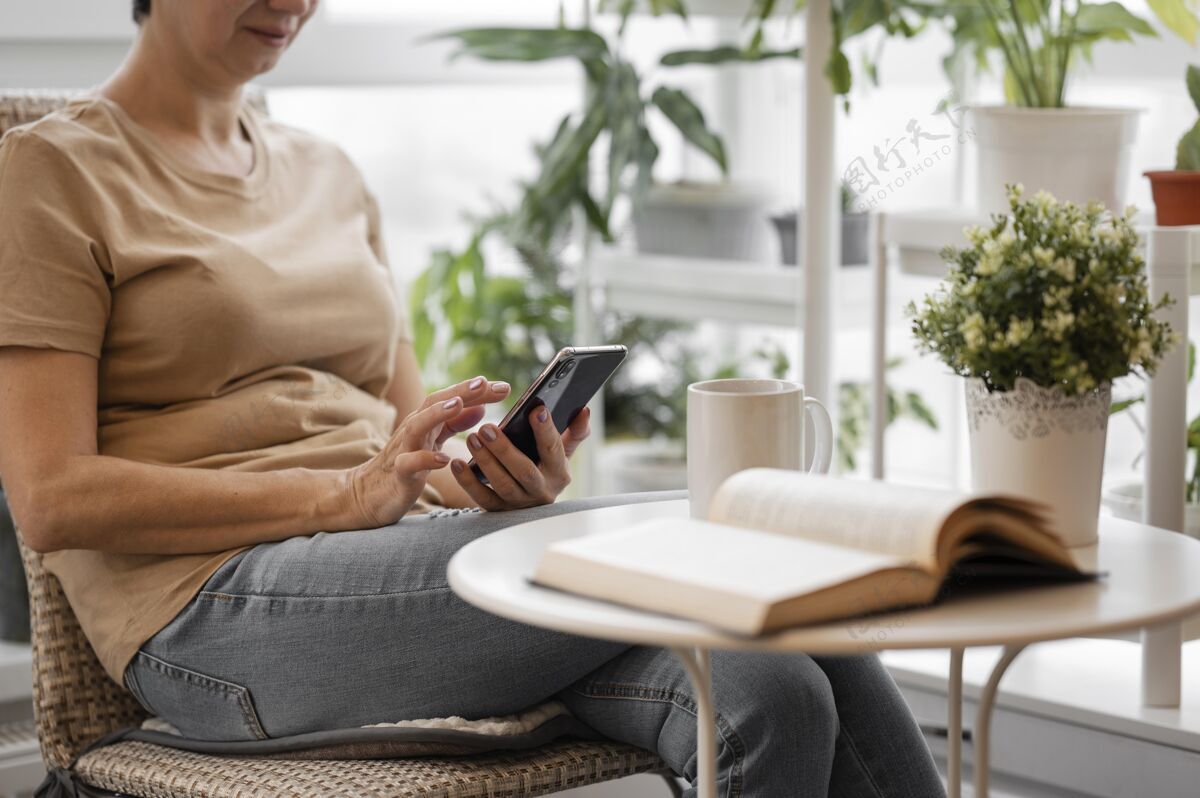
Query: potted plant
<point>854,232</point>
<point>1077,153</point>
<point>1177,192</point>
<point>1041,312</point>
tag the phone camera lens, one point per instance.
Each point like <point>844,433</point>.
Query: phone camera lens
<point>552,383</point>
<point>565,369</point>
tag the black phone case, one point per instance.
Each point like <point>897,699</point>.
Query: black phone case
<point>564,392</point>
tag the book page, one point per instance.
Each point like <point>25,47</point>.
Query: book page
<point>874,516</point>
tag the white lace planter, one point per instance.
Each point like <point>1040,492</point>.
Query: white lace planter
<point>1039,443</point>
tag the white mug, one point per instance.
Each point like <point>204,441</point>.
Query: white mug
<point>733,425</point>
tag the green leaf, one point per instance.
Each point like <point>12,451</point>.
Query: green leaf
<point>1125,404</point>
<point>1178,18</point>
<point>918,409</point>
<point>531,44</point>
<point>626,113</point>
<point>646,158</point>
<point>1111,21</point>
<point>676,7</point>
<point>1187,154</point>
<point>838,72</point>
<point>565,157</point>
<point>726,55</point>
<point>689,119</point>
<point>1193,84</point>
<point>596,217</point>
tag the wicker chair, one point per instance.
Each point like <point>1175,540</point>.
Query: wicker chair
<point>76,704</point>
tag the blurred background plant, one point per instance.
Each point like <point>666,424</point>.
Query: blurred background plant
<point>1039,42</point>
<point>471,318</point>
<point>854,415</point>
<point>1193,428</point>
<point>467,318</point>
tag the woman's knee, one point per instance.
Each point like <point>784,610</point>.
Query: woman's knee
<point>784,699</point>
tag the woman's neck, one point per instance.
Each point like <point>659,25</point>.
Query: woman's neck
<point>193,115</point>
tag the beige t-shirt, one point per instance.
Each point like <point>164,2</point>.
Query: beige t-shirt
<point>240,323</point>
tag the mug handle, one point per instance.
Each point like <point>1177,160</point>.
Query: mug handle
<point>823,455</point>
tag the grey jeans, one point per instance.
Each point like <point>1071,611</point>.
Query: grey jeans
<point>340,630</point>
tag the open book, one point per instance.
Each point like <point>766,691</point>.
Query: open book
<point>784,548</point>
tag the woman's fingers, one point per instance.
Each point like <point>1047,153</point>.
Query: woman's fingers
<point>576,432</point>
<point>477,391</point>
<point>514,481</point>
<point>481,494</point>
<point>468,418</point>
<point>411,465</point>
<point>550,448</point>
<point>421,428</point>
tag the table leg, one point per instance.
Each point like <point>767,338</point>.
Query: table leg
<point>983,719</point>
<point>699,668</point>
<point>954,726</point>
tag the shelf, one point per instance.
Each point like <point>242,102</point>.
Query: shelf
<point>693,289</point>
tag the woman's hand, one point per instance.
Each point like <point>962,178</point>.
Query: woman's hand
<point>385,487</point>
<point>515,480</point>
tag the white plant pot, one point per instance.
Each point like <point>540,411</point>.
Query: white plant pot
<point>635,466</point>
<point>1043,445</point>
<point>726,221</point>
<point>1124,500</point>
<point>1077,154</point>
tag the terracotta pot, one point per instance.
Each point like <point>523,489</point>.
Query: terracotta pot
<point>1176,197</point>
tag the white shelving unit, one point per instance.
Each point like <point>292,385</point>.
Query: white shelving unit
<point>689,289</point>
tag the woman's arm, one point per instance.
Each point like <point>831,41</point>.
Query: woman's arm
<point>63,494</point>
<point>406,393</point>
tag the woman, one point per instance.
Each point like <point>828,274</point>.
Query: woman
<point>211,423</point>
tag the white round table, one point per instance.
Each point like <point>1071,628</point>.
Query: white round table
<point>1151,576</point>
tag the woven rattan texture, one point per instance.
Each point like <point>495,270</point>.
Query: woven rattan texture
<point>151,771</point>
<point>19,108</point>
<point>74,700</point>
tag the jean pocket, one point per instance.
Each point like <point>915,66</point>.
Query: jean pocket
<point>201,707</point>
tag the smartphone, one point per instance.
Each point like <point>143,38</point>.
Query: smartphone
<point>565,386</point>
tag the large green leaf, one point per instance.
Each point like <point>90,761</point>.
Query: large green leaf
<point>1187,154</point>
<point>531,44</point>
<point>1178,18</point>
<point>567,154</point>
<point>689,119</point>
<point>1111,21</point>
<point>1193,84</point>
<point>626,119</point>
<point>726,55</point>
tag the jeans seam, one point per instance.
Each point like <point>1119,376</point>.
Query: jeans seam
<point>640,692</point>
<point>135,689</point>
<point>223,595</point>
<point>239,692</point>
<point>862,763</point>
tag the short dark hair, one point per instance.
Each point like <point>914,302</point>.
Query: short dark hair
<point>141,8</point>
